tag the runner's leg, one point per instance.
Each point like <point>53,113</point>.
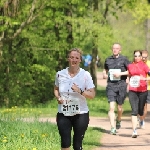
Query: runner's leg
<point>80,124</point>
<point>134,102</point>
<point>145,111</point>
<point>119,111</point>
<point>142,101</point>
<point>111,114</point>
<point>64,126</point>
<point>146,104</point>
<point>118,119</point>
<point>122,93</point>
<point>134,126</point>
<point>134,122</point>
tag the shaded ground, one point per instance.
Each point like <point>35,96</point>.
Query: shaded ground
<point>123,140</point>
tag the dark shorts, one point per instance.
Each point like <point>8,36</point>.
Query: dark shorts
<point>79,123</point>
<point>116,92</point>
<point>148,97</point>
<point>137,101</point>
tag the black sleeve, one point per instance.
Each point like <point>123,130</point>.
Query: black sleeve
<point>126,62</point>
<point>106,65</point>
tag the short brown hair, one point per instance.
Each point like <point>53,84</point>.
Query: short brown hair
<point>144,52</point>
<point>76,50</point>
<point>116,44</point>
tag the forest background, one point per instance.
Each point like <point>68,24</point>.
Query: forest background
<point>35,36</point>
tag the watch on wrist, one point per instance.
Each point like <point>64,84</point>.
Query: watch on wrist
<point>81,91</point>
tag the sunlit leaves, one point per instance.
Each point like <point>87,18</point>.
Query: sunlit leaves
<point>142,11</point>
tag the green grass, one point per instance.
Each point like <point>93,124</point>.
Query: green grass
<point>18,135</point>
<point>92,138</point>
<point>47,110</point>
<point>99,106</point>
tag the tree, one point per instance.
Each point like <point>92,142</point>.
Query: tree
<point>141,12</point>
<point>17,62</point>
<point>148,32</point>
<point>35,36</point>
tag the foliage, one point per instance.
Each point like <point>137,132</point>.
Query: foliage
<point>35,36</point>
<point>140,11</point>
<point>131,36</point>
<point>28,73</point>
<point>98,107</point>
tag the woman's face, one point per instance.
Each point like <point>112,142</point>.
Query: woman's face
<point>74,58</point>
<point>137,57</point>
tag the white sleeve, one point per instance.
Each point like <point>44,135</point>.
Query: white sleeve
<point>88,81</point>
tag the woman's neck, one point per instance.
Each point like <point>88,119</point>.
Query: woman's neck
<point>73,71</point>
<point>136,62</point>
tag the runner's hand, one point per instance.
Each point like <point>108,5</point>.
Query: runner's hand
<point>142,77</point>
<point>117,74</point>
<point>59,100</point>
<point>75,88</point>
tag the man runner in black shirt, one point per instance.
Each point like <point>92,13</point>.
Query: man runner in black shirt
<point>116,86</point>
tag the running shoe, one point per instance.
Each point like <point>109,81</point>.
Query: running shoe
<point>113,131</point>
<point>118,124</point>
<point>142,124</point>
<point>134,134</point>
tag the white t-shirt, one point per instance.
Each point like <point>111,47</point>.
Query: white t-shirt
<point>64,81</point>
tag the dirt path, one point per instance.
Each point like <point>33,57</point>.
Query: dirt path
<point>123,140</point>
<point>100,80</point>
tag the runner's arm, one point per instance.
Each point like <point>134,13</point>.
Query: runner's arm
<point>90,93</point>
<point>57,95</point>
<point>105,74</point>
<point>118,74</point>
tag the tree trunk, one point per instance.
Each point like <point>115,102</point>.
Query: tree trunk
<point>148,35</point>
<point>68,12</point>
<point>94,51</point>
<point>93,66</point>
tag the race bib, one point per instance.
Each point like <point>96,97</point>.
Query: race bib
<point>111,72</point>
<point>70,107</point>
<point>135,81</point>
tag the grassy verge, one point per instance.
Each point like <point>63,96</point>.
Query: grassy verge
<point>92,138</point>
<point>18,135</point>
<point>99,106</point>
